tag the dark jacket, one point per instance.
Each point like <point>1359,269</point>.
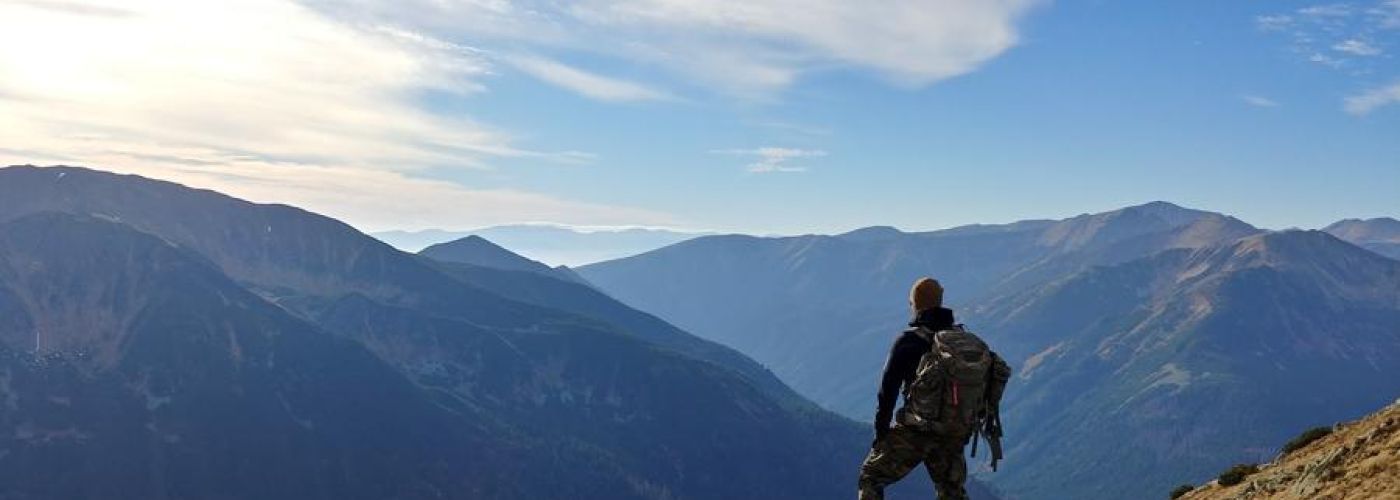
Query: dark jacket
<point>904,358</point>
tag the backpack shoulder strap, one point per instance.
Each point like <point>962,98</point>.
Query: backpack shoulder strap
<point>923,333</point>
<point>936,337</point>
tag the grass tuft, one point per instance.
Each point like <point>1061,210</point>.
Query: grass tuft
<point>1305,438</point>
<point>1236,474</point>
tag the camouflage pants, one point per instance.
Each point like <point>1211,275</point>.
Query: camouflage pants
<point>903,449</point>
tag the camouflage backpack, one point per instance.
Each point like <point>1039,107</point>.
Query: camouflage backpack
<point>950,388</point>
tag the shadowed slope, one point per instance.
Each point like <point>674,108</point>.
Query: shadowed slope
<point>157,377</point>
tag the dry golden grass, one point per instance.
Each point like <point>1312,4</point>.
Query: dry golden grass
<point>1360,460</point>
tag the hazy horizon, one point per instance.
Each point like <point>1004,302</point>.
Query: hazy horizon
<point>700,231</point>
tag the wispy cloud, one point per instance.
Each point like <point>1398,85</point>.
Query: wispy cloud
<point>1357,48</point>
<point>1353,38</point>
<point>586,83</point>
<point>743,47</point>
<point>1371,100</point>
<point>1342,36</point>
<point>268,100</point>
<point>773,159</point>
<point>1327,10</point>
<point>1259,101</point>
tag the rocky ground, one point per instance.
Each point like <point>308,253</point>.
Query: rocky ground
<point>1358,460</point>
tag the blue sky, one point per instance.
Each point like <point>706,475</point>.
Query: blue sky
<point>761,116</point>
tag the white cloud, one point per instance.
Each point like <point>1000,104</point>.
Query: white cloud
<point>260,77</point>
<point>1276,22</point>
<point>264,99</point>
<point>1357,47</point>
<point>773,159</point>
<point>1327,10</point>
<point>328,104</point>
<point>1259,101</point>
<point>585,83</point>
<point>1366,102</point>
<point>738,46</point>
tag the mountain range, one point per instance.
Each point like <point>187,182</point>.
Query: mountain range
<point>1155,342</point>
<point>555,244</point>
<point>158,341</point>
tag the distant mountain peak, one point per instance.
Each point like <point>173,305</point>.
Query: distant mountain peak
<point>1372,220</point>
<point>872,233</point>
<point>1375,229</point>
<point>478,251</point>
<point>1160,205</point>
<point>483,243</point>
<point>1380,235</point>
<point>1091,229</point>
<point>1171,213</point>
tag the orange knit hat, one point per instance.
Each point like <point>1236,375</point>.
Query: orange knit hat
<point>926,294</point>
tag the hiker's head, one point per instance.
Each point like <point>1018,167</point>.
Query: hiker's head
<point>926,294</point>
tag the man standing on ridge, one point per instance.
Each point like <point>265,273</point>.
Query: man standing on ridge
<point>952,384</point>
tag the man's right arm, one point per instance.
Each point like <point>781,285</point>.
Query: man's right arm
<point>902,359</point>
